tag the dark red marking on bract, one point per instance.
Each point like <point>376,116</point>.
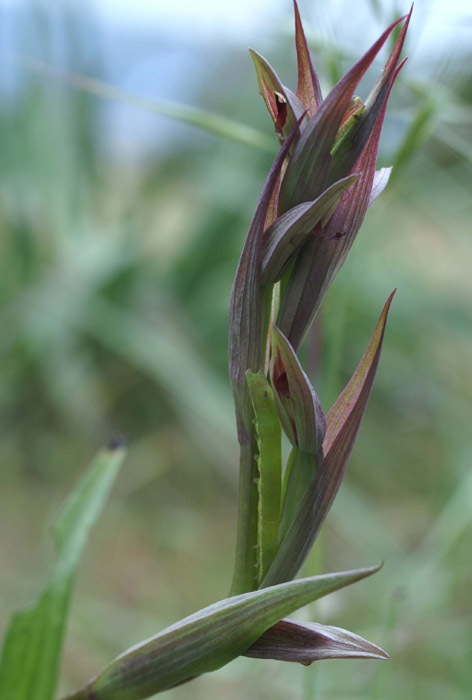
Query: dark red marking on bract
<point>280,379</point>
<point>281,106</point>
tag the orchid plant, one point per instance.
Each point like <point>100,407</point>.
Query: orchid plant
<point>313,203</point>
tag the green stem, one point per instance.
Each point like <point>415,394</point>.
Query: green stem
<point>299,472</point>
<point>269,463</point>
<point>286,477</point>
<point>245,565</point>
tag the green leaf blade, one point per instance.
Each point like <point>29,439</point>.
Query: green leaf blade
<point>209,639</point>
<point>31,651</point>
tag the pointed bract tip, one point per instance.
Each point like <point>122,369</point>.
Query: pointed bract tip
<point>296,10</point>
<point>374,569</point>
<point>386,307</point>
<point>381,323</point>
<point>408,17</point>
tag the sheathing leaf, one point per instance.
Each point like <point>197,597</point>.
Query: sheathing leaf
<point>326,250</point>
<point>343,422</point>
<point>306,642</point>
<point>207,640</point>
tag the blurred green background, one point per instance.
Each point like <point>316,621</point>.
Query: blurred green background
<point>120,235</point>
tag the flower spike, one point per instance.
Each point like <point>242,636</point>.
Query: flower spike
<point>310,164</point>
<point>326,250</point>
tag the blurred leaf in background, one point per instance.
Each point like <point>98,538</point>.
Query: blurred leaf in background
<point>32,649</point>
<point>121,230</point>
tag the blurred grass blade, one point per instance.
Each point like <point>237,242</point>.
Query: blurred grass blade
<point>269,461</point>
<point>284,238</point>
<point>306,642</point>
<point>343,422</point>
<point>308,85</point>
<point>418,131</point>
<point>32,649</point>
<point>200,118</point>
<point>208,639</point>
